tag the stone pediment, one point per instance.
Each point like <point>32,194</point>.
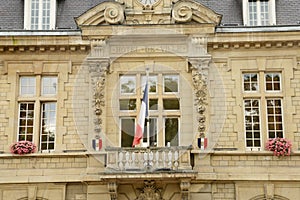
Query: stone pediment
<point>130,12</point>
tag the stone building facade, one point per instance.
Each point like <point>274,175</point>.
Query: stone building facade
<point>223,79</point>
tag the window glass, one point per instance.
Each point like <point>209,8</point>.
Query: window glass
<point>273,82</point>
<point>26,121</point>
<point>171,104</point>
<point>27,86</point>
<point>48,126</point>
<point>34,14</point>
<point>250,82</point>
<point>153,104</point>
<point>127,131</point>
<point>171,131</point>
<point>127,104</point>
<point>127,84</point>
<point>152,83</point>
<point>274,110</point>
<point>171,83</point>
<point>49,85</point>
<point>252,122</point>
<point>152,135</point>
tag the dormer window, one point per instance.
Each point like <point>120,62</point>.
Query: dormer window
<point>259,12</point>
<point>39,14</point>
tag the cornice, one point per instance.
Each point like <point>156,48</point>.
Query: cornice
<point>254,40</point>
<point>43,43</point>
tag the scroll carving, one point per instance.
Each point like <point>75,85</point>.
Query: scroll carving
<point>199,74</point>
<point>186,11</point>
<point>182,12</point>
<point>104,13</point>
<point>114,14</point>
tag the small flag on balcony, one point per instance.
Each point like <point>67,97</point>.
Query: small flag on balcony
<point>141,119</point>
<point>202,143</point>
<point>97,144</point>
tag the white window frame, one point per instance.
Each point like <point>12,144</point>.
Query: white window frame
<point>160,114</point>
<point>272,13</point>
<point>27,14</point>
<point>38,99</point>
<point>263,96</point>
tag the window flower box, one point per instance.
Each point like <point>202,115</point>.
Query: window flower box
<point>22,147</point>
<point>279,146</point>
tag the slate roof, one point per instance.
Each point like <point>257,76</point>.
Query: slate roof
<point>12,12</point>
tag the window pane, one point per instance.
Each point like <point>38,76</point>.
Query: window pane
<point>171,104</point>
<point>26,117</point>
<point>171,83</point>
<point>127,131</point>
<point>49,85</point>
<point>152,84</point>
<point>152,136</point>
<point>153,104</point>
<point>252,12</point>
<point>48,126</point>
<point>252,122</point>
<point>34,14</point>
<point>127,104</point>
<point>274,117</point>
<point>250,82</point>
<point>27,85</point>
<point>127,84</point>
<point>273,82</point>
<point>171,131</point>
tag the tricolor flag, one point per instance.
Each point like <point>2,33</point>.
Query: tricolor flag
<point>141,119</point>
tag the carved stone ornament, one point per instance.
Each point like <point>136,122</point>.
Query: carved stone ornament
<point>98,71</point>
<point>112,189</point>
<point>150,192</point>
<point>199,70</point>
<point>186,10</point>
<point>104,13</point>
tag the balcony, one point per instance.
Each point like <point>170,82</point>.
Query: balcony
<point>148,160</point>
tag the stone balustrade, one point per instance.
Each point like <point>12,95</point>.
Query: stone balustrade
<point>152,159</point>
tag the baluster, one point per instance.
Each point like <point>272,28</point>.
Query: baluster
<point>133,159</point>
<point>176,157</point>
<point>120,160</point>
<point>151,159</point>
<point>170,159</point>
<point>157,159</point>
<point>164,159</point>
<point>145,159</point>
<point>127,160</point>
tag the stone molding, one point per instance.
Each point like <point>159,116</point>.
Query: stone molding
<point>131,13</point>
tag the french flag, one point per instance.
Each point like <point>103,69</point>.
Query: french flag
<point>141,119</point>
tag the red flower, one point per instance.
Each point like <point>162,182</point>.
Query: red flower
<point>23,147</point>
<point>280,146</point>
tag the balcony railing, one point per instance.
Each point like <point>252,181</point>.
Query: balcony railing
<point>152,159</point>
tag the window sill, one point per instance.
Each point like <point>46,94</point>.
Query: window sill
<point>239,152</point>
<point>53,154</point>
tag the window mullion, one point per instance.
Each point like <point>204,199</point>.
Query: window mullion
<point>37,121</point>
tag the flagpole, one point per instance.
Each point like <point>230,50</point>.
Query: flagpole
<point>148,121</point>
